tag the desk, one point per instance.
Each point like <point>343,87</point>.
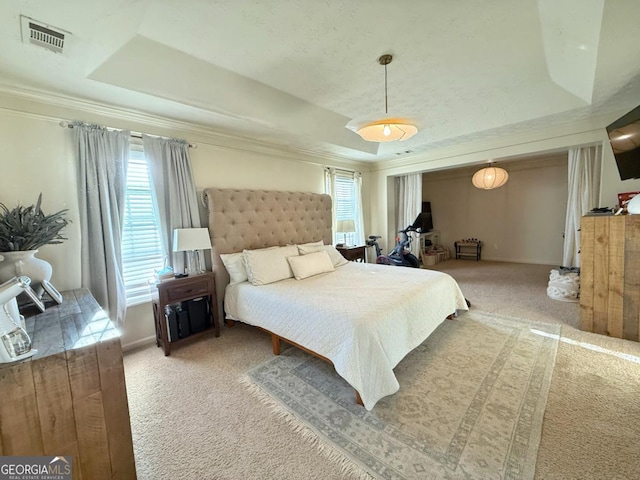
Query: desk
<point>468,249</point>
<point>353,254</point>
<point>177,291</point>
<point>70,397</point>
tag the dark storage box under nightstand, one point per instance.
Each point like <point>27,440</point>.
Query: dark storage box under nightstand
<point>186,304</point>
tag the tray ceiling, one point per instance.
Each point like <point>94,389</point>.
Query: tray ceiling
<point>295,72</point>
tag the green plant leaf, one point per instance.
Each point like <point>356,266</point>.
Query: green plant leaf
<point>28,228</point>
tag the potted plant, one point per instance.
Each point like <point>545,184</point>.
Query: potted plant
<point>23,230</point>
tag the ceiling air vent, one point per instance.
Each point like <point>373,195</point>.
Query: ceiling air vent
<point>42,35</point>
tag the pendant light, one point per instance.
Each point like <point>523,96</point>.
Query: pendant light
<point>388,129</point>
<point>490,177</point>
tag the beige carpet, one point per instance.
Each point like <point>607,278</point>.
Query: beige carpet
<point>591,427</point>
<point>193,418</point>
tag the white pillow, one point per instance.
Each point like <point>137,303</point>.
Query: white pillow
<point>335,256</point>
<point>234,263</point>
<point>311,247</point>
<point>269,265</point>
<point>311,264</point>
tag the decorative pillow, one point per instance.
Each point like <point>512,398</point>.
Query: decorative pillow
<point>234,263</point>
<point>335,256</point>
<point>311,264</point>
<point>269,265</point>
<point>311,247</point>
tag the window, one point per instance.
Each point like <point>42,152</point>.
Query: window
<point>142,251</point>
<point>343,186</point>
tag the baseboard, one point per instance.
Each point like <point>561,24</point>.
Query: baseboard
<point>520,260</point>
<point>143,342</point>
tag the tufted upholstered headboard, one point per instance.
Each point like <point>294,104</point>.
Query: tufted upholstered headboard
<point>250,219</point>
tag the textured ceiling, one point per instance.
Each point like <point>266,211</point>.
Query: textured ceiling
<point>295,72</point>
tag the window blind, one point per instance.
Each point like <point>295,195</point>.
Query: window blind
<point>142,251</point>
<point>344,202</point>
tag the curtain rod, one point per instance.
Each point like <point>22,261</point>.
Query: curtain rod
<point>65,124</point>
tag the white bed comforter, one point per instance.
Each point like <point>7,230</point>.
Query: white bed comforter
<point>365,318</point>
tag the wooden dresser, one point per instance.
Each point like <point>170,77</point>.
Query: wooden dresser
<point>70,398</point>
<point>610,275</point>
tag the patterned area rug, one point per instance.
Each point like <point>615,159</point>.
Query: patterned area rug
<point>470,405</point>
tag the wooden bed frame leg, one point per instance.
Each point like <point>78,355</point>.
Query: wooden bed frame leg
<point>275,344</point>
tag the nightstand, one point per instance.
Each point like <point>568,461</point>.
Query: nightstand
<point>353,254</point>
<point>181,290</point>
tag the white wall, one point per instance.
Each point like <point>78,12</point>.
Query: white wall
<point>222,167</point>
<point>521,221</point>
<point>38,156</point>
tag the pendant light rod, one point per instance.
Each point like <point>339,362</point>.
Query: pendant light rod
<point>386,98</point>
<point>385,60</point>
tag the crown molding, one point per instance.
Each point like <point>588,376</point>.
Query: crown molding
<point>142,120</point>
<point>592,125</point>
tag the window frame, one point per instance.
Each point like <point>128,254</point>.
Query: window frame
<point>345,202</point>
<point>140,260</point>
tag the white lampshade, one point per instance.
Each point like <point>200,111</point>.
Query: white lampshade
<point>387,130</point>
<point>185,239</point>
<point>191,240</point>
<point>346,226</point>
<point>490,177</point>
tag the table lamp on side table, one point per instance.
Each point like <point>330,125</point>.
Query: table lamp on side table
<point>190,240</point>
<point>346,226</point>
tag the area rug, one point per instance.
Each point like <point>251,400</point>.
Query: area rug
<point>470,405</point>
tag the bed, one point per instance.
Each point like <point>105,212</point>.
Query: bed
<point>363,318</point>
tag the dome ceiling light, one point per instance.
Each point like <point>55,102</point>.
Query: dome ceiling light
<point>490,177</point>
<point>388,129</point>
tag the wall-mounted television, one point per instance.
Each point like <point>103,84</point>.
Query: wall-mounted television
<point>624,136</point>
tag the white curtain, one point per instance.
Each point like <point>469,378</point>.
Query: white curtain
<point>408,202</point>
<point>347,202</point>
<point>357,187</point>
<point>174,191</point>
<point>102,156</point>
<point>584,188</point>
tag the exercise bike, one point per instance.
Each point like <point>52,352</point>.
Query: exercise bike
<point>401,255</point>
